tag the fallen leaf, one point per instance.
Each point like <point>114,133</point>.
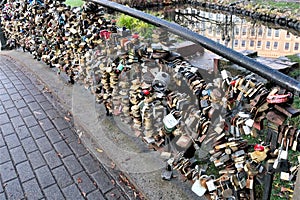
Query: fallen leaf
<point>83,194</point>
<point>112,194</point>
<point>113,165</point>
<point>60,155</point>
<point>36,112</point>
<point>67,119</point>
<point>99,150</point>
<point>113,181</point>
<point>80,135</point>
<point>79,180</point>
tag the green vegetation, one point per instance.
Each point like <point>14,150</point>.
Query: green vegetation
<point>74,3</point>
<point>135,25</point>
<point>277,5</point>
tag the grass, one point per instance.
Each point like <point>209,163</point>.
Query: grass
<point>74,3</point>
<point>278,5</point>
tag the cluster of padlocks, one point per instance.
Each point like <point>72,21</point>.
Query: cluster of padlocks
<point>168,101</point>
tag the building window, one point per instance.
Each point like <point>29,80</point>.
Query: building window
<point>237,30</point>
<point>259,44</point>
<point>243,43</point>
<point>268,44</point>
<point>244,31</point>
<point>275,45</point>
<point>252,32</point>
<point>287,46</point>
<point>236,43</point>
<point>251,43</point>
<point>288,35</point>
<point>269,32</point>
<point>276,33</point>
<point>260,32</point>
<point>296,47</point>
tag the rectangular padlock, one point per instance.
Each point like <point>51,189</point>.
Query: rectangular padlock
<point>284,153</point>
<point>211,185</point>
<point>295,143</point>
<point>284,176</point>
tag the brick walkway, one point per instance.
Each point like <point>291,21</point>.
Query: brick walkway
<point>40,156</point>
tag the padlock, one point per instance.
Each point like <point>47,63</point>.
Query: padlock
<point>167,173</point>
<point>284,153</point>
<point>295,143</point>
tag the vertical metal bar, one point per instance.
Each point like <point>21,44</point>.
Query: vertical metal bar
<point>233,56</point>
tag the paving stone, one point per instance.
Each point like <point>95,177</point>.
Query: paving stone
<point>1,188</point>
<point>15,97</point>
<point>20,87</point>
<point>4,155</point>
<point>24,171</point>
<point>29,145</point>
<point>18,155</point>
<point>36,132</point>
<point>78,149</point>
<point>39,114</point>
<point>24,92</point>
<point>52,113</point>
<point>44,144</point>
<point>2,143</point>
<point>52,159</point>
<point>89,163</point>
<point>14,190</point>
<point>95,195</point>
<point>7,171</point>
<point>69,135</point>
<point>34,106</point>
<point>53,192</point>
<point>103,181</point>
<point>2,109</point>
<point>5,97</point>
<point>62,149</point>
<point>2,195</point>
<point>40,98</point>
<point>8,85</point>
<point>60,123</point>
<point>115,194</point>
<point>46,124</point>
<point>36,159</point>
<point>34,91</point>
<point>28,98</point>
<point>46,105</point>
<point>32,189</point>
<point>2,90</point>
<point>23,132</point>
<point>72,192</point>
<point>72,164</point>
<point>30,121</point>
<point>24,112</point>
<point>12,141</point>
<point>17,122</point>
<point>8,104</point>
<point>7,129</point>
<point>4,118</point>
<point>54,136</point>
<point>44,176</point>
<point>62,176</point>
<point>12,112</point>
<point>84,183</point>
<point>12,91</point>
<point>20,103</point>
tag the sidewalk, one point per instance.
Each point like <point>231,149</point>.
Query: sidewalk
<point>40,153</point>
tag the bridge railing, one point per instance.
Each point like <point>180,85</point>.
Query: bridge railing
<point>266,72</point>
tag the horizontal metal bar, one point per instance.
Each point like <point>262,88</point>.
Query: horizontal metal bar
<point>233,56</point>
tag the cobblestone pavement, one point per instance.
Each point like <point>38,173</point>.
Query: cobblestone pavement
<point>40,154</point>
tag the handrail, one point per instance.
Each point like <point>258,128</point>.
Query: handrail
<point>233,56</point>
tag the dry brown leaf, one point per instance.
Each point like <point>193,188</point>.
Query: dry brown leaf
<point>67,119</point>
<point>113,165</point>
<point>113,181</point>
<point>79,180</point>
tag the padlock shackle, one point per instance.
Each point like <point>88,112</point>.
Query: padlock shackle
<point>219,49</point>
